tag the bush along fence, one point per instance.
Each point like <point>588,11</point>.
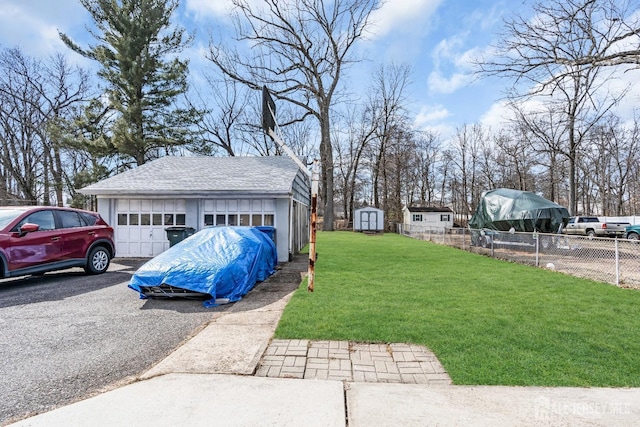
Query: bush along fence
<point>609,260</point>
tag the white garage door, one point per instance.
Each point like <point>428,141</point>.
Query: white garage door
<point>140,229</point>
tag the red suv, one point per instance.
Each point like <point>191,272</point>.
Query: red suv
<point>37,239</point>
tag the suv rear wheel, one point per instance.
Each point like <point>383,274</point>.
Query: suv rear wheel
<point>98,260</point>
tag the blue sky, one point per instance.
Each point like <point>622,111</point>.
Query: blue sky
<point>436,37</point>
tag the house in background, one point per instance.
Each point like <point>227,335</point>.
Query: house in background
<point>203,192</point>
<point>431,217</point>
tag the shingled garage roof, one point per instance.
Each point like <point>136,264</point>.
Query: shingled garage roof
<point>192,175</point>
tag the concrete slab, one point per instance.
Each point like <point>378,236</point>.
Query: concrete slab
<point>228,348</point>
<point>408,405</point>
<point>206,400</point>
<point>257,317</point>
<point>118,267</point>
<point>263,302</point>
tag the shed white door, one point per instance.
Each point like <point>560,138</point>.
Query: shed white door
<point>368,220</point>
<point>140,228</point>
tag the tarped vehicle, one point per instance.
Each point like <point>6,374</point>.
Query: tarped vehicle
<point>504,209</point>
<point>221,264</point>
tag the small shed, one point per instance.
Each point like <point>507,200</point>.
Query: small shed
<point>368,219</point>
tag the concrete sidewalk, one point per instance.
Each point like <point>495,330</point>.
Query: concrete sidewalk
<point>233,374</point>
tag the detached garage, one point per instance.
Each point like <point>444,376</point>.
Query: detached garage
<point>201,192</point>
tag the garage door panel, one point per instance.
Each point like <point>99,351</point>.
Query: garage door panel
<point>159,247</point>
<point>122,234</point>
<point>134,234</point>
<point>147,248</point>
<point>158,234</point>
<point>146,205</point>
<point>134,205</point>
<point>140,231</point>
<point>269,206</point>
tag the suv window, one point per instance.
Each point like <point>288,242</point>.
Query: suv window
<point>8,215</point>
<point>43,218</point>
<point>69,219</point>
<point>89,218</point>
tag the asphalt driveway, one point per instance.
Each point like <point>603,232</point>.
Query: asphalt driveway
<point>65,335</point>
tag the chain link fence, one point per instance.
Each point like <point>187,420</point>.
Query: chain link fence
<point>609,260</point>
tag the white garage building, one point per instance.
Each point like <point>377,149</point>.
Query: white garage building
<point>203,192</point>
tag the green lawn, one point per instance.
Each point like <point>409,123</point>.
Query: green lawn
<point>488,321</point>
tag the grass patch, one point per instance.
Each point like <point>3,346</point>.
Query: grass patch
<point>488,321</point>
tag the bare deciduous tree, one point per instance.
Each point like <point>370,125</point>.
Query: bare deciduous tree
<point>466,148</point>
<point>360,127</point>
<point>547,56</point>
<point>425,181</point>
<point>219,129</point>
<point>36,97</point>
<point>609,163</point>
<point>387,102</point>
<point>564,36</point>
<point>300,49</point>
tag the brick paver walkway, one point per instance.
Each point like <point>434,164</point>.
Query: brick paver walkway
<point>351,361</point>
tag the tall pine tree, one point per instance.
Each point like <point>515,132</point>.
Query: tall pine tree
<point>137,50</point>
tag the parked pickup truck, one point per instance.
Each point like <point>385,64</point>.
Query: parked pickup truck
<point>632,232</point>
<point>591,226</point>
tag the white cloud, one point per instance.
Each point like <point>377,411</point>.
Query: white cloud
<point>401,16</point>
<point>433,118</point>
<point>33,26</point>
<point>431,113</point>
<point>438,83</point>
<point>497,116</point>
<point>613,83</point>
<point>448,50</point>
<point>206,8</point>
<point>452,65</point>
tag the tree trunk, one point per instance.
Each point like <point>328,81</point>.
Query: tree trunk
<point>326,160</point>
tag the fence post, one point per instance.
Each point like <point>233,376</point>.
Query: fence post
<point>536,237</point>
<point>617,264</point>
<point>464,239</point>
<point>493,254</point>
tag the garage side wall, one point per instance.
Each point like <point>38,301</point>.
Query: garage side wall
<point>106,210</point>
<point>283,240</point>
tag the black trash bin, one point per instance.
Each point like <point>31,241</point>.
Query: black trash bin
<point>178,234</point>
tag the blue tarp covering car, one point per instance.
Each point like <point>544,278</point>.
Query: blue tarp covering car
<point>219,264</point>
